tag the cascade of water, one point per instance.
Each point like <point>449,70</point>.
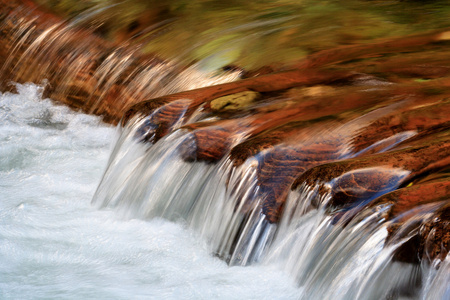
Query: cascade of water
<point>344,253</point>
<point>246,211</point>
<point>54,245</point>
<point>344,260</point>
<point>209,198</point>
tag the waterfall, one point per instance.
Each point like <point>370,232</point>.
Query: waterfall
<point>348,254</point>
<point>330,173</point>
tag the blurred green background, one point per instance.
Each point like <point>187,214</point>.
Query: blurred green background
<point>249,34</point>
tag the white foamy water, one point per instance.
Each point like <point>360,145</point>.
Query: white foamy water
<point>55,245</point>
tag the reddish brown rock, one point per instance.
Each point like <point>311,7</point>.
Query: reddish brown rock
<point>409,197</point>
<point>415,118</point>
<point>413,159</point>
<point>209,145</point>
<point>268,83</point>
<point>426,229</point>
<point>435,235</point>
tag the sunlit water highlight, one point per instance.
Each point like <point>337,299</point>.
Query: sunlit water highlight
<point>55,245</point>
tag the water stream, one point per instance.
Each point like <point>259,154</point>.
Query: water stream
<point>164,228</point>
<point>93,211</point>
<point>328,258</point>
<point>55,245</point>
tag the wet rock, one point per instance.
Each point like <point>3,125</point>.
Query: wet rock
<point>208,145</point>
<point>427,238</point>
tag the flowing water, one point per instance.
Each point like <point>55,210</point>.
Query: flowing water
<point>328,258</point>
<point>89,211</point>
<point>55,245</point>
